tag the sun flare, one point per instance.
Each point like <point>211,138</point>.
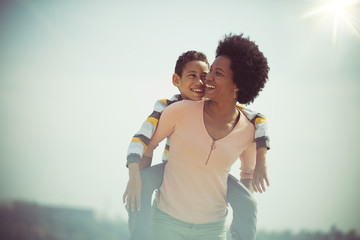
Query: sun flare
<point>343,13</point>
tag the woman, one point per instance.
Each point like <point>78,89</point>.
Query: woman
<point>191,203</point>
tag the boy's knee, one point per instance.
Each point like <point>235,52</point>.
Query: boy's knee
<point>241,199</point>
<point>152,178</point>
<point>148,183</point>
<point>238,194</point>
<point>244,205</point>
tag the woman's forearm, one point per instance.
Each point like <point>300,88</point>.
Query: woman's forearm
<point>248,184</point>
<point>145,162</point>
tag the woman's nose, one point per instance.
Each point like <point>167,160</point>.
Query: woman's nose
<point>209,76</point>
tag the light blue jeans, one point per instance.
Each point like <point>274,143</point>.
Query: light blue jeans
<point>239,197</point>
<point>165,227</point>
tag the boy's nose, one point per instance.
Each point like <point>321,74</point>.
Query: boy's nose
<point>198,81</point>
<point>203,78</point>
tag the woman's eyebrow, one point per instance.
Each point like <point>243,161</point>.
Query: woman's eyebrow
<point>220,69</point>
<point>217,68</point>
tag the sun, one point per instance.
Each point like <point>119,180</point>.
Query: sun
<point>343,13</point>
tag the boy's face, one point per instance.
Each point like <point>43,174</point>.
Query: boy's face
<point>190,83</point>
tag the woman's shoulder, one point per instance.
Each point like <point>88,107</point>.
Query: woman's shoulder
<point>186,104</point>
<point>245,123</point>
<point>178,110</point>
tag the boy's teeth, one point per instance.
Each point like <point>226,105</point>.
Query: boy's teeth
<point>197,90</point>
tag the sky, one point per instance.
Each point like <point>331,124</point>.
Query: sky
<point>78,78</point>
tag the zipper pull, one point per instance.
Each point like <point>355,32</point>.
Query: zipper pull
<point>211,149</point>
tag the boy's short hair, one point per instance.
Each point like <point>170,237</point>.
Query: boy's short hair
<point>188,57</point>
<point>249,66</point>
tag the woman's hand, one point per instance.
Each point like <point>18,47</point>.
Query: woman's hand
<point>132,193</point>
<point>260,172</point>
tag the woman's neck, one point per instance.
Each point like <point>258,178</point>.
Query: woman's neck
<point>221,111</point>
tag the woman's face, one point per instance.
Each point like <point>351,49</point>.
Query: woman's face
<point>219,82</point>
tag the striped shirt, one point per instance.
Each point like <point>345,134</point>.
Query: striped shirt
<point>141,139</point>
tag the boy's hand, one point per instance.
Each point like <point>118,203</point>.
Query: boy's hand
<point>260,175</point>
<point>260,172</point>
<point>133,188</point>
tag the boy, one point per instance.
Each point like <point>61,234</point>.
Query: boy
<point>191,67</point>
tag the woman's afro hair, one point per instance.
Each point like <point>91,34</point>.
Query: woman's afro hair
<point>249,66</point>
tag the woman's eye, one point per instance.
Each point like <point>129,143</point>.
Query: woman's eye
<point>218,74</point>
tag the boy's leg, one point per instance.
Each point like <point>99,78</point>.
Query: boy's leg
<point>244,209</point>
<point>140,221</point>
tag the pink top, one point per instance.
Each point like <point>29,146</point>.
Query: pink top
<point>195,178</point>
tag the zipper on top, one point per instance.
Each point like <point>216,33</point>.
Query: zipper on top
<point>211,149</point>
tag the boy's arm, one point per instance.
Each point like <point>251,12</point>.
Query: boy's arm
<point>136,160</point>
<point>260,122</point>
<point>141,139</point>
<point>134,186</point>
<point>165,128</point>
<point>138,145</point>
<point>133,189</point>
<point>262,140</point>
